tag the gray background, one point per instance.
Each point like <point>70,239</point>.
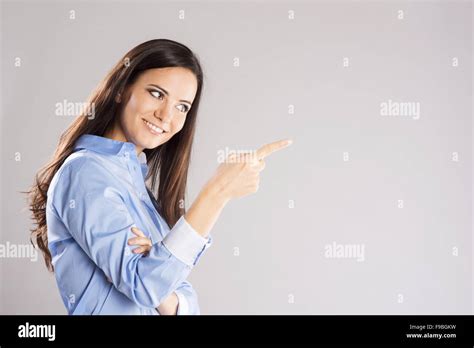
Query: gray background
<point>281,267</point>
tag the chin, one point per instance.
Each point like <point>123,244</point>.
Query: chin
<point>152,144</point>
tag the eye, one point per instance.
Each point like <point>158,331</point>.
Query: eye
<point>151,91</point>
<point>185,108</point>
<point>154,92</point>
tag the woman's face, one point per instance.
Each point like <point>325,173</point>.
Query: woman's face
<point>155,107</point>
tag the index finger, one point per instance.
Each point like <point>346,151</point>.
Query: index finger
<point>137,232</point>
<point>267,149</point>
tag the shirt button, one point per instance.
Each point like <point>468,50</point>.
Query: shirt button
<point>126,155</point>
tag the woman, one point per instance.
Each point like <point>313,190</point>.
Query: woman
<point>92,205</point>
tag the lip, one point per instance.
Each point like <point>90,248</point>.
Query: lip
<point>152,130</point>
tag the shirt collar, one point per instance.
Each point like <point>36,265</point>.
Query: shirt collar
<point>109,146</point>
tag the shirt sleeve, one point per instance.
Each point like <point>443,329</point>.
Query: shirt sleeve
<point>87,201</point>
<point>187,300</point>
<point>185,243</point>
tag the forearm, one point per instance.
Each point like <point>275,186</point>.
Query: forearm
<point>169,306</point>
<point>205,210</point>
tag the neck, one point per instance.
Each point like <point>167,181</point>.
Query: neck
<point>116,133</point>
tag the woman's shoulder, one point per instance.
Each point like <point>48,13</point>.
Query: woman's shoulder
<point>82,161</point>
<point>81,168</point>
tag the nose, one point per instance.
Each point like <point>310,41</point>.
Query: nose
<point>165,115</point>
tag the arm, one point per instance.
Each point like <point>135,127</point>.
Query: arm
<point>234,178</point>
<point>97,217</point>
<point>238,176</point>
<point>170,305</point>
<point>183,301</point>
<point>202,215</point>
<point>205,210</point>
<point>188,300</point>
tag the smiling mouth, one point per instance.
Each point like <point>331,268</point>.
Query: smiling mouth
<point>153,128</point>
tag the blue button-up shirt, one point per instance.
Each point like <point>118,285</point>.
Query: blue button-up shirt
<point>94,200</point>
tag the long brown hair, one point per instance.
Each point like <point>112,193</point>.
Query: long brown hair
<point>168,164</point>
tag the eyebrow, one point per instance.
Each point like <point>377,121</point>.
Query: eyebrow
<point>166,92</point>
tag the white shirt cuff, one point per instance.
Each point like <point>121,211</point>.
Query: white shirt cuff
<point>183,306</point>
<point>185,243</point>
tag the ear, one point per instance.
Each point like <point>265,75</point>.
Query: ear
<point>118,98</point>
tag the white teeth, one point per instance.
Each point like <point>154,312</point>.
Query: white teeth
<point>152,126</point>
